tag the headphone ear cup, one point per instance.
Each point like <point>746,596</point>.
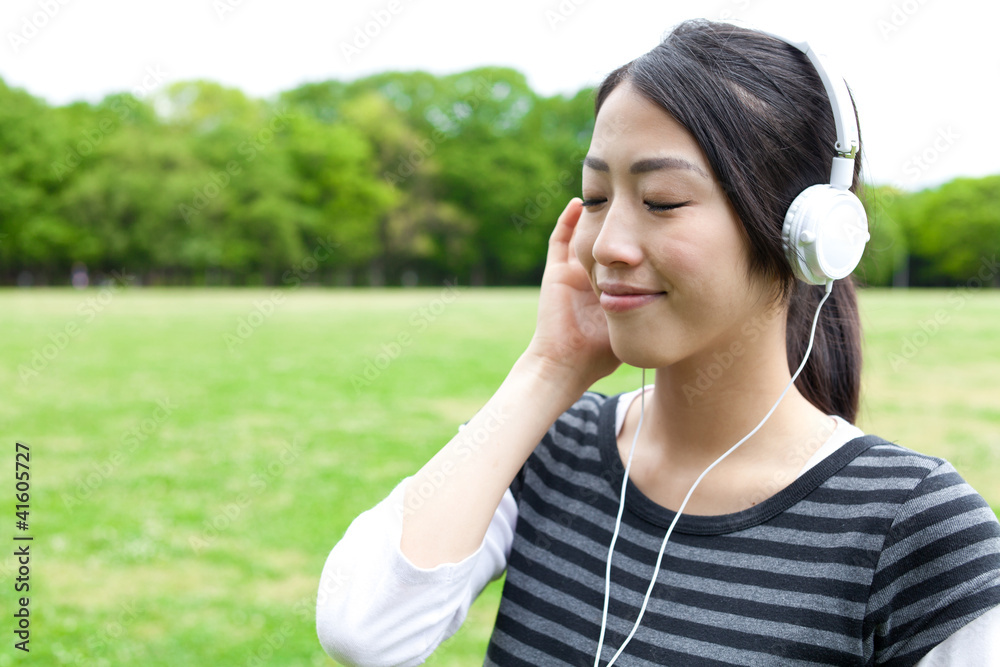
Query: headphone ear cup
<point>824,234</point>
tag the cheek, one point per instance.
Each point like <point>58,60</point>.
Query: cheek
<point>685,259</point>
<point>710,253</point>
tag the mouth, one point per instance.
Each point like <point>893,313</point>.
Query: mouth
<point>617,298</point>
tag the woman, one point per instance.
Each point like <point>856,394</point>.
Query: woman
<point>809,544</point>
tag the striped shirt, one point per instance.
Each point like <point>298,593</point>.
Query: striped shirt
<point>873,556</point>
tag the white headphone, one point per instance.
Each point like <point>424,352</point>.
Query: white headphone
<point>826,227</point>
<point>824,236</point>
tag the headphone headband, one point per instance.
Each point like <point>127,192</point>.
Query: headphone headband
<point>848,141</point>
<point>826,227</point>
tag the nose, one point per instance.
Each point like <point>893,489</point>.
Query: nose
<point>618,242</point>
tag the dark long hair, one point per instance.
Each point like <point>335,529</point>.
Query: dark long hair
<point>759,111</point>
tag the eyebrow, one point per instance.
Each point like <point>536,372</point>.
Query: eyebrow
<point>647,165</point>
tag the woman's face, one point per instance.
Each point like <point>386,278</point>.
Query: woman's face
<point>661,243</point>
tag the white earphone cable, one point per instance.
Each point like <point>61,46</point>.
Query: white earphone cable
<point>670,529</point>
<point>618,521</point>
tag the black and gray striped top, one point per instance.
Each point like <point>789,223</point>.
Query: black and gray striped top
<point>872,557</point>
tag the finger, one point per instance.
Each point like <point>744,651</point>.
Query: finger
<point>559,242</point>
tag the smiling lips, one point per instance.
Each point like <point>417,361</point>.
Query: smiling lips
<point>618,298</point>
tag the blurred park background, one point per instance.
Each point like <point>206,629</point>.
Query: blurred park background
<point>394,179</point>
<point>233,320</point>
<point>196,453</point>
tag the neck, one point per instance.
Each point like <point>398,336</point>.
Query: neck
<point>704,405</point>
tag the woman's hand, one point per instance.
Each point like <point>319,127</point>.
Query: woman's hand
<point>452,499</point>
<point>571,335</point>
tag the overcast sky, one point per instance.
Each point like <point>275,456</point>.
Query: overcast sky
<point>924,72</point>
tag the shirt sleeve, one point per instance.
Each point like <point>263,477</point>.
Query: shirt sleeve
<point>376,608</point>
<point>975,645</point>
<point>938,572</point>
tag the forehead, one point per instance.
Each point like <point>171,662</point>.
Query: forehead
<point>630,127</point>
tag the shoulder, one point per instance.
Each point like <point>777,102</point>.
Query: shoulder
<point>582,425</point>
<point>887,465</point>
<point>572,444</point>
<point>939,565</point>
<point>924,479</point>
<point>586,410</point>
<point>920,491</point>
<point>941,513</point>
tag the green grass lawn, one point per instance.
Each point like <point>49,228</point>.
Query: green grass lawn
<point>190,473</point>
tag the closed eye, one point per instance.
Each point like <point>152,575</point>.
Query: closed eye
<point>655,207</point>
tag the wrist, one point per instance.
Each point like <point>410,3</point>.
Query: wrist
<point>551,378</point>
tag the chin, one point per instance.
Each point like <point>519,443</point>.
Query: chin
<point>643,351</point>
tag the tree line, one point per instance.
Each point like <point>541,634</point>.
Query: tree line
<point>394,179</point>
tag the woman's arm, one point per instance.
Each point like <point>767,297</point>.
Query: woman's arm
<point>976,644</point>
<point>376,609</point>
<point>450,501</point>
<point>403,576</point>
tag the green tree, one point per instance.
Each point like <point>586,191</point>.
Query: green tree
<point>32,235</point>
<point>884,262</point>
<point>403,174</point>
<point>953,229</point>
<point>337,183</point>
<point>420,232</point>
